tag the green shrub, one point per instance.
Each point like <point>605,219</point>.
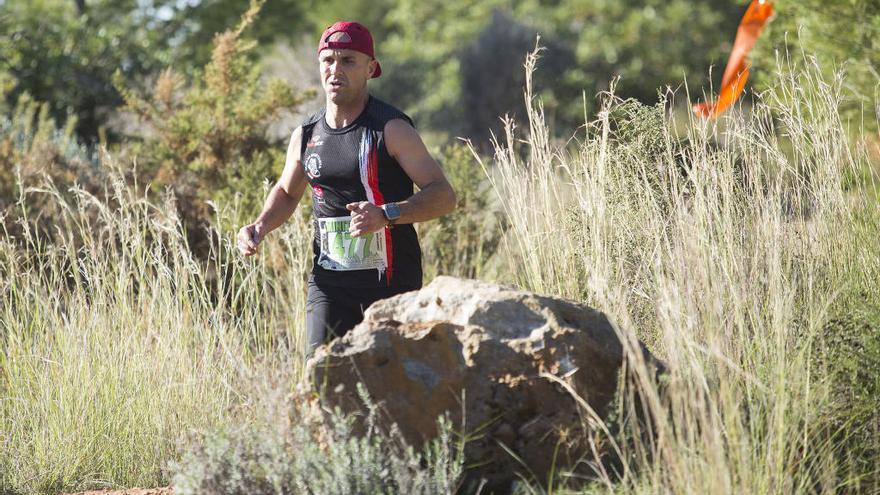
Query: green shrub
<point>66,56</point>
<point>727,271</point>
<point>850,355</point>
<point>34,150</point>
<point>816,27</point>
<point>462,243</point>
<point>32,144</point>
<point>208,138</point>
<point>305,455</point>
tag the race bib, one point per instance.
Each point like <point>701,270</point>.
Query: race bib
<point>340,251</point>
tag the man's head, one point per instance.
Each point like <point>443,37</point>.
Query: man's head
<point>347,60</point>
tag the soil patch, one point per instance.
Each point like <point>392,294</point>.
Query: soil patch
<point>129,491</point>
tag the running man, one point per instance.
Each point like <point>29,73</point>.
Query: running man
<point>360,156</point>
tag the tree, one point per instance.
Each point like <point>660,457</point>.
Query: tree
<point>208,138</point>
<point>200,21</point>
<point>839,34</point>
<point>457,66</point>
<point>64,53</point>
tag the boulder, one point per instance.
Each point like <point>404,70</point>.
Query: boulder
<point>492,358</point>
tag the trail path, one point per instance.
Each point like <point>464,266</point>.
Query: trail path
<point>130,491</point>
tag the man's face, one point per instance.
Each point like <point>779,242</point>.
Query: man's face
<point>344,73</point>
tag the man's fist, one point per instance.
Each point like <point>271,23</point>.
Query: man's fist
<point>365,218</point>
<point>249,238</point>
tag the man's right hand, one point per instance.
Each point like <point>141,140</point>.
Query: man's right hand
<point>249,238</point>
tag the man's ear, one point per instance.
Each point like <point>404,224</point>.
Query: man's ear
<point>373,64</point>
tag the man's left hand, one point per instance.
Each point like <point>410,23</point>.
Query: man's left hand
<point>365,218</point>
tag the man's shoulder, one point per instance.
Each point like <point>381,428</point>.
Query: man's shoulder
<point>313,119</point>
<point>381,112</point>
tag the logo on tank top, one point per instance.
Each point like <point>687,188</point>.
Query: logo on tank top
<point>315,141</point>
<point>318,194</point>
<point>313,166</point>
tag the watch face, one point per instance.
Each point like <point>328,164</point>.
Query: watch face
<point>392,211</point>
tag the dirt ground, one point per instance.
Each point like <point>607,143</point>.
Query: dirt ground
<point>130,491</point>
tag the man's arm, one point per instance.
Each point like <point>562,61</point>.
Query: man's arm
<point>435,196</point>
<point>281,201</point>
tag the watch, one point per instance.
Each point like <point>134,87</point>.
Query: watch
<point>392,212</point>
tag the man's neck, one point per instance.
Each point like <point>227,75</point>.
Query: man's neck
<point>338,116</point>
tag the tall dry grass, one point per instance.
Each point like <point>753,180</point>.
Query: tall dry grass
<point>117,343</point>
<point>727,247</point>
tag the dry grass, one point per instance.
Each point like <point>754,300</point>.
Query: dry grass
<point>726,249</point>
<point>117,343</point>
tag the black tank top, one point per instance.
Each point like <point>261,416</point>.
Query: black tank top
<point>352,164</point>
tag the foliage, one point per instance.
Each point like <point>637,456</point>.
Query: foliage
<point>116,342</point>
<point>649,45</point>
<point>850,355</point>
<point>31,145</point>
<point>200,21</point>
<point>462,242</point>
<point>32,149</point>
<point>726,257</point>
<point>456,66</point>
<point>838,34</point>
<point>67,58</point>
<point>422,46</point>
<point>305,455</point>
<point>209,140</point>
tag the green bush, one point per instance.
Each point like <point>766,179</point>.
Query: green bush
<point>303,454</point>
<point>30,143</point>
<point>34,150</point>
<point>208,140</point>
<point>838,34</point>
<point>462,242</point>
<point>850,355</point>
<point>66,56</point>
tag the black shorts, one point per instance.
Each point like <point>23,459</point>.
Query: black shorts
<point>332,311</point>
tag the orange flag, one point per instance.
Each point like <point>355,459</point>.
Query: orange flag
<point>737,71</point>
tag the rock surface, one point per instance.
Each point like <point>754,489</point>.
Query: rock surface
<point>482,353</point>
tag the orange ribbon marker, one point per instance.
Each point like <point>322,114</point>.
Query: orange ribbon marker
<point>737,71</point>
